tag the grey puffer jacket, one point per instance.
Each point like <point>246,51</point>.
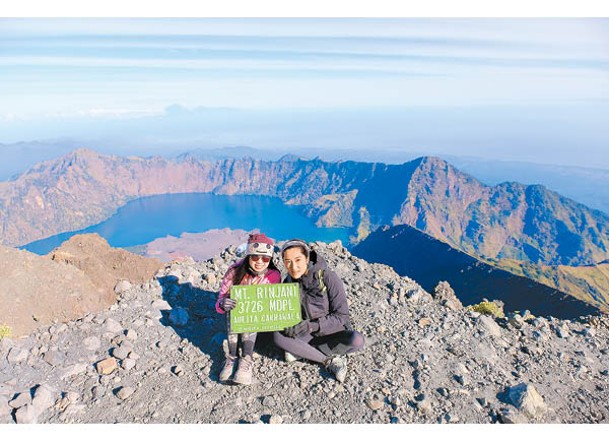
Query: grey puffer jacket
<point>327,302</point>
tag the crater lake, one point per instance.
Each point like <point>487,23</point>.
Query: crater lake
<point>143,220</point>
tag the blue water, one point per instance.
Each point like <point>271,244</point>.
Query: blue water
<point>143,220</point>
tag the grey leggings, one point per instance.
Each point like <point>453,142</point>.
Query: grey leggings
<point>318,349</point>
<point>248,341</point>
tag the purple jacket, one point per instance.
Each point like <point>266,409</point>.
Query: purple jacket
<point>270,276</point>
<point>326,305</point>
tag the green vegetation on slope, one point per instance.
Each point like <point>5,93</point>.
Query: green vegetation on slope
<point>488,308</point>
<point>5,331</point>
<point>587,283</point>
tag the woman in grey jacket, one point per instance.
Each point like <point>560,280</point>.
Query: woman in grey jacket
<point>325,334</point>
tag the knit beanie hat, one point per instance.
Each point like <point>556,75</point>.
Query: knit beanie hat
<point>260,245</point>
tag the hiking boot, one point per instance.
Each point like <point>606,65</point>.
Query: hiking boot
<point>338,366</point>
<point>227,369</point>
<point>289,357</point>
<point>244,374</point>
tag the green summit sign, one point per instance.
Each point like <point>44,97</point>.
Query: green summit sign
<point>264,308</point>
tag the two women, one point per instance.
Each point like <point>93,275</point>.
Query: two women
<point>325,334</point>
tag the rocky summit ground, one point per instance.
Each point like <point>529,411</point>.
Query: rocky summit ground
<point>154,357</point>
<point>78,277</point>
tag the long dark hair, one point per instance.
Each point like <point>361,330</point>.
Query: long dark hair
<point>244,267</point>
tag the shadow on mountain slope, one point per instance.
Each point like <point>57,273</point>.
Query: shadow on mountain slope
<point>428,261</point>
<point>193,316</point>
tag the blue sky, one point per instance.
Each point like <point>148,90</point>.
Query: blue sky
<point>525,88</point>
<point>122,66</point>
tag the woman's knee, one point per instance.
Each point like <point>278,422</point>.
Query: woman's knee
<point>279,339</point>
<point>357,341</point>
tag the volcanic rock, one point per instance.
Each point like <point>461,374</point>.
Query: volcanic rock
<point>423,362</point>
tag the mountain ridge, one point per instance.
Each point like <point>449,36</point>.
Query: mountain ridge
<point>509,220</point>
<point>76,278</point>
<point>427,260</point>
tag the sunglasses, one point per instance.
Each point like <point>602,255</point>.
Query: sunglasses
<point>256,258</point>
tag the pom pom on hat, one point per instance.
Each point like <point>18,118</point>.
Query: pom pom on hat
<point>259,238</point>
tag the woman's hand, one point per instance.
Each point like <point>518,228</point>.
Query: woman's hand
<point>301,329</point>
<point>227,304</point>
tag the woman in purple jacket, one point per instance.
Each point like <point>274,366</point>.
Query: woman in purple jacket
<point>325,334</point>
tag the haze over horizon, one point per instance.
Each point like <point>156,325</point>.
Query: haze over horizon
<point>522,89</point>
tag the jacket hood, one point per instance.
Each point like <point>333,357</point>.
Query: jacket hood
<point>316,262</point>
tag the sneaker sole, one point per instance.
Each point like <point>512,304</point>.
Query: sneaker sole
<point>243,383</point>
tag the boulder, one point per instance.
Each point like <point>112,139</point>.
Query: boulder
<point>92,343</point>
<point>113,326</point>
<point>512,416</point>
<point>527,400</point>
<point>26,415</point>
<point>20,400</point>
<point>107,366</point>
<point>5,409</point>
<point>120,353</point>
<point>54,358</point>
<point>445,295</point>
<point>73,370</point>
<point>122,286</point>
<point>125,392</point>
<point>44,397</point>
<point>17,355</point>
<point>489,325</point>
<point>128,364</point>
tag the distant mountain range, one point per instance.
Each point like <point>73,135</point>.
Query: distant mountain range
<point>583,184</point>
<point>523,223</point>
<point>509,220</point>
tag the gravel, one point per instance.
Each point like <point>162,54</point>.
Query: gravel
<point>155,357</point>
